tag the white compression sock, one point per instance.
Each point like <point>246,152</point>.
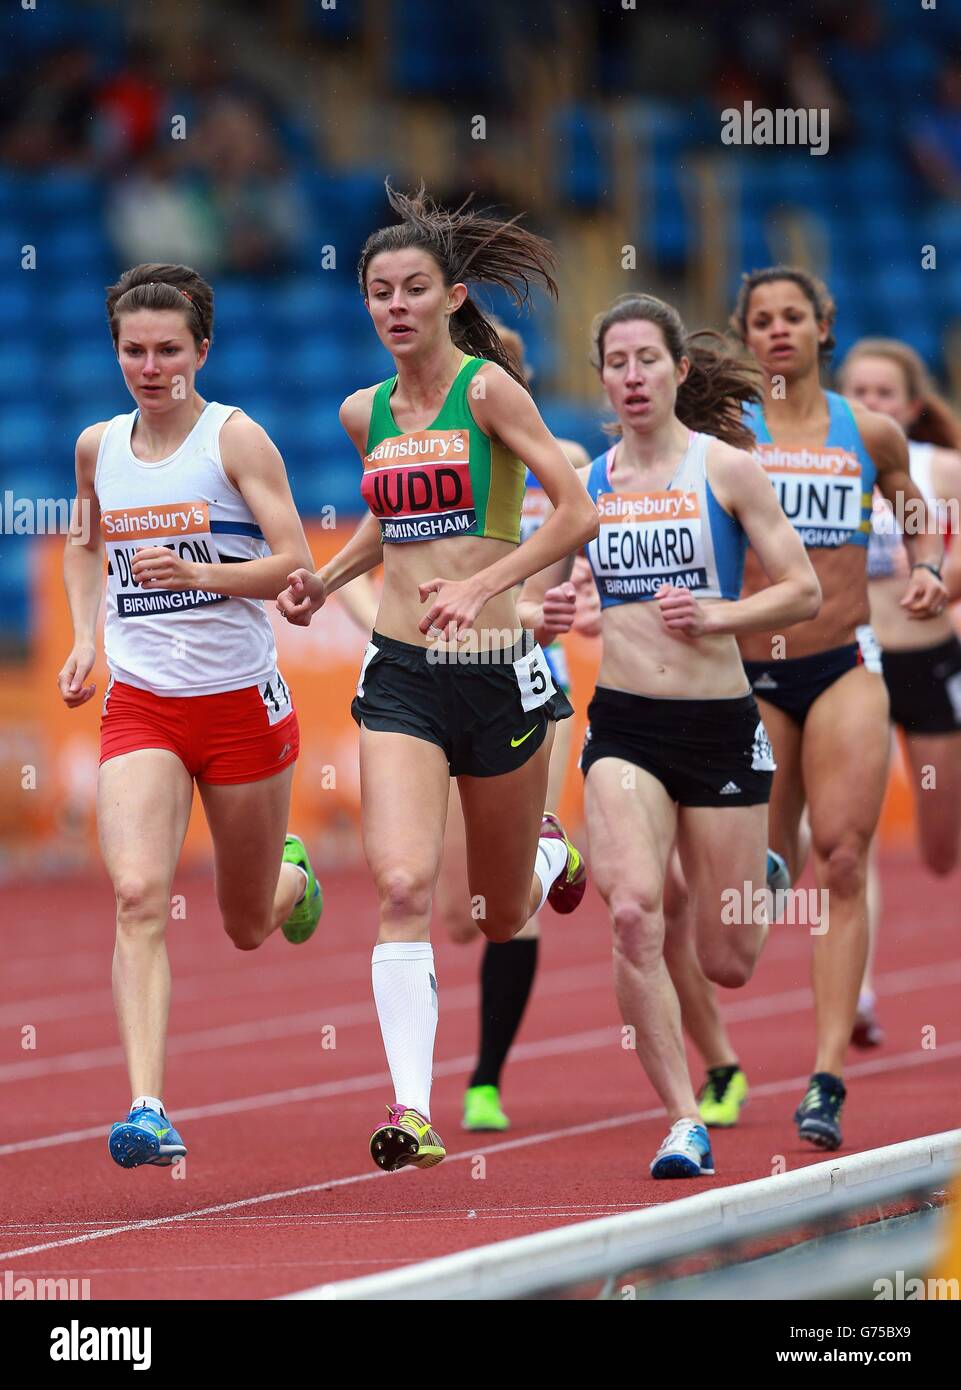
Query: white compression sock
<point>405,992</point>
<point>151,1102</point>
<point>550,862</point>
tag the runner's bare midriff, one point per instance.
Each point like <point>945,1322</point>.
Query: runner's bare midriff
<point>642,657</point>
<point>895,631</point>
<point>844,606</point>
<point>416,562</point>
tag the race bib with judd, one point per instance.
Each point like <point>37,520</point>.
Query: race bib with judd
<point>419,486</point>
<point>184,528</point>
<point>820,491</point>
<point>646,540</point>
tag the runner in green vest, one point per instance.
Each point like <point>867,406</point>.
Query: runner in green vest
<point>451,685</point>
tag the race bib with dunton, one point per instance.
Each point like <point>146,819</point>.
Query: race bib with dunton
<point>184,528</point>
<point>646,540</point>
<point>821,492</point>
<point>419,486</point>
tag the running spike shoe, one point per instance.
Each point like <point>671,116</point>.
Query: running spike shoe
<point>302,922</point>
<point>685,1153</point>
<point>145,1136</point>
<point>778,873</point>
<point>482,1109</point>
<point>818,1116</point>
<point>867,1030</point>
<point>406,1139</point>
<point>566,891</point>
<point>722,1095</point>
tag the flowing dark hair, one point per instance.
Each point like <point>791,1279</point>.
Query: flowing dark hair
<point>718,384</point>
<point>471,247</point>
<point>155,285</point>
<point>936,422</point>
<point>813,289</point>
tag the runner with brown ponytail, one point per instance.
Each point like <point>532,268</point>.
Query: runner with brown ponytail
<point>819,686</point>
<point>675,748</point>
<point>451,685</point>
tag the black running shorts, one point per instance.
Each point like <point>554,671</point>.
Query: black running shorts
<point>704,752</point>
<point>925,688</point>
<point>488,711</point>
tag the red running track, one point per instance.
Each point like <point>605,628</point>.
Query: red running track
<point>276,1076</point>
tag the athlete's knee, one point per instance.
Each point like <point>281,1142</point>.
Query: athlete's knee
<point>940,855</point>
<point>502,926</point>
<point>460,926</point>
<point>142,903</point>
<point>403,893</point>
<point>728,965</point>
<point>246,930</point>
<point>637,922</point>
<point>844,867</point>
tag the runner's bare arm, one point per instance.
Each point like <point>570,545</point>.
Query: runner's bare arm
<point>360,601</point>
<point>548,588</point>
<point>83,572</point>
<point>926,595</point>
<point>253,465</point>
<point>947,471</point>
<point>742,487</point>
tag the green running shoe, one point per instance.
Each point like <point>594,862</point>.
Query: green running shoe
<point>301,923</point>
<point>482,1109</point>
<point>722,1095</point>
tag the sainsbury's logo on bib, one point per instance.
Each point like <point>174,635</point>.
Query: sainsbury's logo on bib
<point>646,540</point>
<point>820,491</point>
<point>184,528</point>
<point>425,499</point>
<point>182,519</point>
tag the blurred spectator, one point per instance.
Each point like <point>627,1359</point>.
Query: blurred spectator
<point>936,138</point>
<point>51,112</point>
<point>129,107</point>
<point>261,217</point>
<point>155,216</point>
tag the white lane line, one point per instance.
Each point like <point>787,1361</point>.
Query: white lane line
<point>770,1088</point>
<point>563,981</point>
<point>551,982</point>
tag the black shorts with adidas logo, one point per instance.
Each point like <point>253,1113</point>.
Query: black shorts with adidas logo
<point>704,752</point>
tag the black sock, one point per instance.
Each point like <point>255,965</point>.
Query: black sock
<point>507,976</point>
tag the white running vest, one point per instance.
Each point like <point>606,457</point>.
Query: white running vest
<point>885,544</point>
<point>179,642</point>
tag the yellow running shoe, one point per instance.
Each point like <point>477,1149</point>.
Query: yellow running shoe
<point>722,1095</point>
<point>406,1139</point>
<point>567,889</point>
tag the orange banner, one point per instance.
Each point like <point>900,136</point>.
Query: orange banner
<point>49,754</point>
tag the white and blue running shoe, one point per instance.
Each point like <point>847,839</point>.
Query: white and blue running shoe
<point>145,1136</point>
<point>685,1153</point>
<point>778,873</point>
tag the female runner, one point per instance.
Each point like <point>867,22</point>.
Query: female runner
<point>825,707</point>
<point>444,445</point>
<point>674,736</point>
<point>190,501</point>
<point>508,968</point>
<point>921,665</point>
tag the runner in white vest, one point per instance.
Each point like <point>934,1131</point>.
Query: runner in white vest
<point>189,503</point>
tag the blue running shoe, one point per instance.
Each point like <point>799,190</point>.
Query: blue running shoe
<point>685,1153</point>
<point>778,873</point>
<point>145,1136</point>
<point>818,1116</point>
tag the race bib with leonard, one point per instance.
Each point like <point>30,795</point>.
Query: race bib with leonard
<point>646,540</point>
